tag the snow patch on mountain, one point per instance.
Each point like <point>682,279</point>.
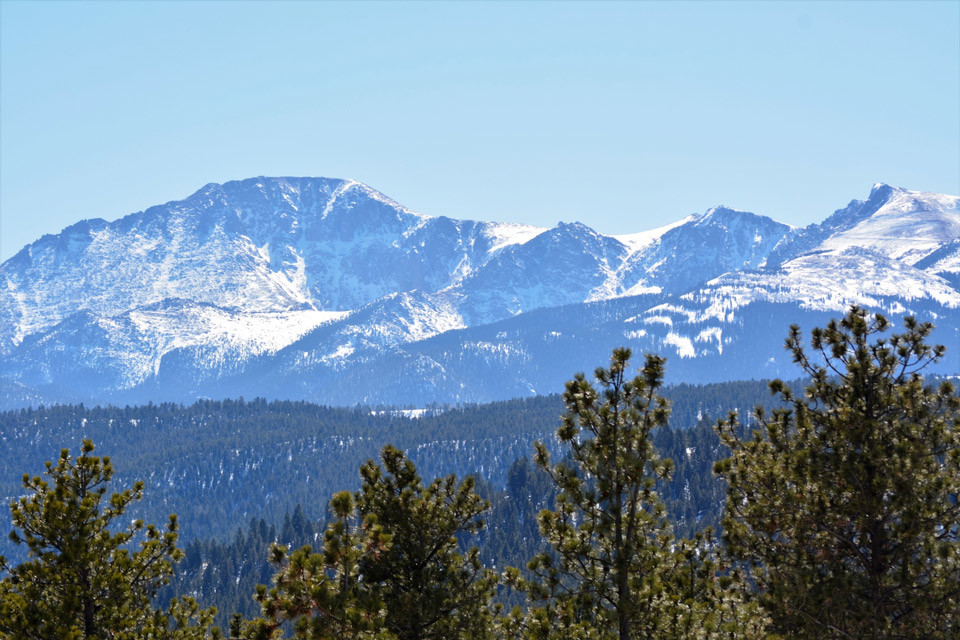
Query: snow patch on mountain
<point>342,352</point>
<point>944,262</point>
<point>711,334</point>
<point>127,350</point>
<point>504,234</point>
<point>637,241</point>
<point>428,317</point>
<point>177,327</point>
<point>827,281</point>
<point>909,226</point>
<point>682,344</point>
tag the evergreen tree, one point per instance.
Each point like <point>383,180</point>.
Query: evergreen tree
<point>430,589</point>
<point>615,569</point>
<point>321,594</point>
<point>82,580</point>
<point>843,505</point>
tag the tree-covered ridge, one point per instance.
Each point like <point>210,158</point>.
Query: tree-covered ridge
<point>226,546</point>
<point>218,464</point>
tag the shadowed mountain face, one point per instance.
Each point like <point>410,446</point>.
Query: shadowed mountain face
<point>326,289</point>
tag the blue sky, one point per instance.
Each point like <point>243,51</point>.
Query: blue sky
<point>623,115</point>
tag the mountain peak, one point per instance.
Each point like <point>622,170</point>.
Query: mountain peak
<point>882,191</point>
<point>720,210</point>
<point>721,213</point>
<point>574,230</point>
<point>572,226</point>
<point>277,185</point>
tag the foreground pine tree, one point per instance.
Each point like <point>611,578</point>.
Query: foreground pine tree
<point>391,568</point>
<point>81,579</point>
<point>843,505</point>
<point>430,589</point>
<point>615,569</point>
<point>321,595</point>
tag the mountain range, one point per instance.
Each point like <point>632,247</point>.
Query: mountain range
<point>327,290</point>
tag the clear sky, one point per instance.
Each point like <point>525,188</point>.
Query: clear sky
<point>625,115</point>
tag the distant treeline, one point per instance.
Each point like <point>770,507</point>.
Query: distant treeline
<point>219,464</point>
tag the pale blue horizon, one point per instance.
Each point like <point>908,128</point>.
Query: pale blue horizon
<point>624,116</point>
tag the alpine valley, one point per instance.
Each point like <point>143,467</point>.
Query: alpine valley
<point>329,291</point>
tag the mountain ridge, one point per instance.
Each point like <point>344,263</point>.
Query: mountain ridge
<point>181,297</point>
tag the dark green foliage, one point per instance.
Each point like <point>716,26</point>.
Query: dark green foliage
<point>844,504</point>
<point>223,465</point>
<point>608,531</point>
<point>398,575</point>
<point>225,573</point>
<point>512,535</point>
<point>81,579</point>
<point>322,595</point>
<point>614,569</point>
<point>219,464</point>
<point>431,591</point>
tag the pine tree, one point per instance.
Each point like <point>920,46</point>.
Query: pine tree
<point>430,589</point>
<point>398,575</point>
<point>843,505</point>
<point>615,569</point>
<point>81,580</point>
<point>321,594</point>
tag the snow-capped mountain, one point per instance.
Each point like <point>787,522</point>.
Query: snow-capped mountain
<point>329,290</point>
<point>900,224</point>
<point>258,245</point>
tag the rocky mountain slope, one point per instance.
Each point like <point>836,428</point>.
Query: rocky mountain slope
<point>328,290</point>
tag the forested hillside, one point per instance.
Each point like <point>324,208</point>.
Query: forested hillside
<point>220,464</point>
<point>242,475</point>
